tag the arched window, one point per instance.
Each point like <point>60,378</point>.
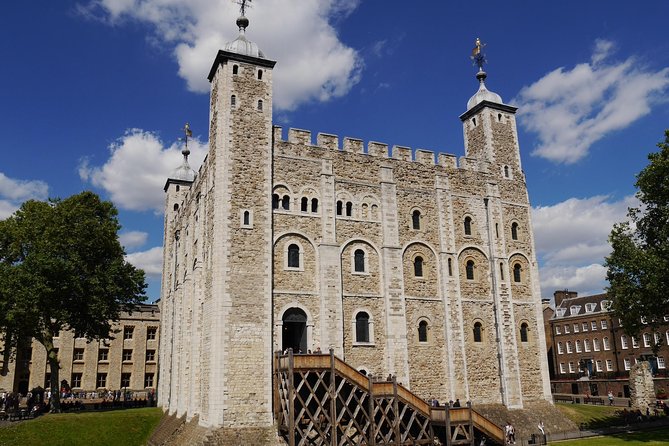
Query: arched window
<point>606,344</point>
<point>450,267</point>
<point>259,74</point>
<point>235,69</point>
<point>285,202</point>
<point>260,104</point>
<point>305,204</point>
<point>247,218</point>
<point>233,101</point>
<point>469,270</point>
<point>339,207</point>
<point>418,266</point>
<point>422,331</point>
<point>359,261</point>
<point>478,332</point>
<point>415,219</point>
<point>362,327</point>
<point>506,171</point>
<point>314,205</point>
<point>514,230</point>
<point>501,271</point>
<point>516,272</point>
<point>523,332</point>
<point>293,256</point>
<point>275,201</point>
<point>176,206</point>
<point>468,226</point>
<point>349,208</point>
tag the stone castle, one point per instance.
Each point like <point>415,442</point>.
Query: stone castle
<point>402,264</point>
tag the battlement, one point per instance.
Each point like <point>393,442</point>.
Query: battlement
<point>376,149</point>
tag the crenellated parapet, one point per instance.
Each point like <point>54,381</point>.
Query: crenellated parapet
<point>332,142</point>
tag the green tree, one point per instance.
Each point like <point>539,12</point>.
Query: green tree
<point>638,266</point>
<point>63,268</point>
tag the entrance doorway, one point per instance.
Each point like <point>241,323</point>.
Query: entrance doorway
<point>294,333</point>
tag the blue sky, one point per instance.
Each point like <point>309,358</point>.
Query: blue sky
<point>93,94</point>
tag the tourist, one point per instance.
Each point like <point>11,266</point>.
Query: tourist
<point>457,402</point>
<point>610,398</point>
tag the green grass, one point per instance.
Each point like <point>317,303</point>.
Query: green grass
<point>120,427</point>
<point>589,415</point>
<point>646,438</point>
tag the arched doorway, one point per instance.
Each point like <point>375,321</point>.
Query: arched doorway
<point>294,333</point>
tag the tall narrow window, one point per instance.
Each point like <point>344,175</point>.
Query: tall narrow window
<point>362,327</point>
<point>293,256</point>
<point>314,205</point>
<point>468,226</point>
<point>305,204</point>
<point>422,331</point>
<point>259,74</point>
<point>275,201</point>
<point>418,266</point>
<point>497,230</point>
<point>506,171</point>
<point>523,332</point>
<point>516,272</point>
<point>469,270</point>
<point>233,101</point>
<point>514,230</point>
<point>501,271</point>
<point>359,261</point>
<point>235,69</point>
<point>285,202</point>
<point>450,267</point>
<point>260,105</point>
<point>478,328</point>
<point>415,219</point>
<point>340,207</point>
<point>349,208</point>
<point>247,218</point>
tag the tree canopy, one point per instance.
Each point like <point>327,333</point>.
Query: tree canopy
<point>63,268</point>
<point>638,266</point>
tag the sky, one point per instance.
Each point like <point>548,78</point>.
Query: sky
<point>93,94</point>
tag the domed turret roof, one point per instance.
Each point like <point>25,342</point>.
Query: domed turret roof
<point>483,94</point>
<point>241,45</point>
<point>183,172</point>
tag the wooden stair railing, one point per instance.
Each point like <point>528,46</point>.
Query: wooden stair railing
<point>321,400</point>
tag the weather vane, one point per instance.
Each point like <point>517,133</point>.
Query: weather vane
<point>242,5</point>
<point>187,134</point>
<point>477,54</point>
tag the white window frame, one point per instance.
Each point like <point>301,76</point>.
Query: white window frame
<point>593,325</point>
<point>558,331</point>
<point>586,345</point>
<point>646,340</point>
<point>609,365</point>
<point>598,365</point>
<point>576,328</point>
<point>562,368</point>
<point>577,344</point>
<point>624,343</point>
<point>370,327</point>
<point>584,326</point>
<point>604,324</point>
<point>567,330</point>
<point>560,348</point>
<point>635,342</point>
<point>590,307</point>
<point>595,344</point>
<point>606,343</point>
<point>571,367</point>
<point>661,364</point>
<point>628,363</point>
<point>570,349</point>
<point>574,310</point>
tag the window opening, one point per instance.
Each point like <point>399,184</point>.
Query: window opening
<point>259,74</point>
<point>314,205</point>
<point>523,332</point>
<point>516,272</point>
<point>233,101</point>
<point>514,230</point>
<point>478,328</point>
<point>235,69</point>
<point>285,202</point>
<point>359,261</point>
<point>422,331</point>
<point>506,171</point>
<point>362,327</point>
<point>247,218</point>
<point>501,271</point>
<point>469,269</point>
<point>468,226</point>
<point>418,267</point>
<point>275,201</point>
<point>305,204</point>
<point>349,208</point>
<point>339,207</point>
<point>260,105</point>
<point>450,267</point>
<point>415,219</point>
<point>293,256</point>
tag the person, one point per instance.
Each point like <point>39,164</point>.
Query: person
<point>610,398</point>
<point>512,434</point>
<point>318,350</point>
<point>542,429</point>
<point>457,402</point>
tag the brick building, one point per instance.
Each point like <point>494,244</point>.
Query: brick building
<point>129,360</point>
<point>592,354</point>
<point>403,264</point>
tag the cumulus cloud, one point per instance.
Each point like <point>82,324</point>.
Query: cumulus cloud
<point>151,261</point>
<point>13,192</point>
<point>133,239</point>
<point>572,240</point>
<point>136,171</point>
<point>571,109</point>
<point>313,64</point>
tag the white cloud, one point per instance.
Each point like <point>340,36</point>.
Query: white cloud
<point>151,261</point>
<point>137,169</point>
<point>572,240</point>
<point>133,239</point>
<point>13,192</point>
<point>570,110</point>
<point>313,64</point>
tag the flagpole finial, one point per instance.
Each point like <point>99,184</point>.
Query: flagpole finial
<point>188,133</point>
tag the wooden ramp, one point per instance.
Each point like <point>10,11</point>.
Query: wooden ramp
<point>321,400</point>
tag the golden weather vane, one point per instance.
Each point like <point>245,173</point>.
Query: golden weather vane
<point>477,54</point>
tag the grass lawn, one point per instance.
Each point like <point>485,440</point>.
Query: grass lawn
<point>590,415</point>
<point>646,438</point>
<point>128,427</point>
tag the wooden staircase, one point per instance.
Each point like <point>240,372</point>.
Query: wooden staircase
<point>321,400</point>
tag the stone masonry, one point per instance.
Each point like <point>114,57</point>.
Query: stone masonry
<point>402,263</point>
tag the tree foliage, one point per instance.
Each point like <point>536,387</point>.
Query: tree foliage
<point>63,268</point>
<point>638,266</point>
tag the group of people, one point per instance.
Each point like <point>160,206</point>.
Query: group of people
<point>434,402</point>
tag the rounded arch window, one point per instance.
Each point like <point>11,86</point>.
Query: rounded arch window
<point>235,69</point>
<point>422,331</point>
<point>418,266</point>
<point>359,261</point>
<point>340,207</point>
<point>349,208</point>
<point>259,74</point>
<point>285,202</point>
<point>450,267</point>
<point>523,332</point>
<point>260,105</point>
<point>314,205</point>
<point>517,272</point>
<point>514,231</point>
<point>478,332</point>
<point>293,256</point>
<point>415,219</point>
<point>176,207</point>
<point>468,225</point>
<point>362,327</point>
<point>506,171</point>
<point>275,201</point>
<point>469,269</point>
